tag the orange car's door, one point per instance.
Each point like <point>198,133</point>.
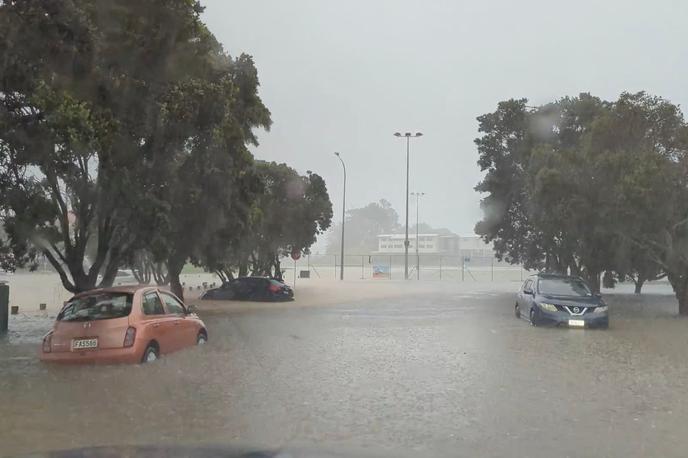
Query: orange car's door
<point>156,321</point>
<point>183,329</point>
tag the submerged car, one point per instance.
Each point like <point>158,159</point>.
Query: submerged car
<point>125,324</point>
<point>251,289</point>
<point>560,300</point>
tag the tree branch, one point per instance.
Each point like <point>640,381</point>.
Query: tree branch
<point>60,270</point>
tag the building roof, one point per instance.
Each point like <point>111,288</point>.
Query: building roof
<point>413,234</point>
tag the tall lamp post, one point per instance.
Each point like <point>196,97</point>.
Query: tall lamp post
<point>408,136</point>
<point>418,196</point>
<point>341,268</point>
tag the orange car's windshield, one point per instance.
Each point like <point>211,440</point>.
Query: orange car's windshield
<point>97,307</point>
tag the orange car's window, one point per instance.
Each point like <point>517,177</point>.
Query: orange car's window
<point>97,307</point>
<point>172,305</point>
<point>152,304</point>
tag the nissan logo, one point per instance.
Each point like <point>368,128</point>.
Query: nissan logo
<point>576,310</point>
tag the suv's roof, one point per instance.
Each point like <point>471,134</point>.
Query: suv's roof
<point>554,275</point>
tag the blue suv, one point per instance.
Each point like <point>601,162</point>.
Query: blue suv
<point>560,300</point>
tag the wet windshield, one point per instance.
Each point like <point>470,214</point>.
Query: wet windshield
<point>563,287</point>
<point>97,307</point>
<point>333,217</point>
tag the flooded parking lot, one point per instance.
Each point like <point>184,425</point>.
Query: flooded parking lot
<point>443,373</point>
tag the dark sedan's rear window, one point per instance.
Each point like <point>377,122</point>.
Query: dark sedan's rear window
<point>101,306</point>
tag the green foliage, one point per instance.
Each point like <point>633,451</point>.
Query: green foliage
<point>123,126</point>
<point>587,186</point>
<point>288,212</point>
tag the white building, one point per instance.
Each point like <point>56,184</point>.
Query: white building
<point>427,243</point>
<point>439,244</point>
<point>474,247</point>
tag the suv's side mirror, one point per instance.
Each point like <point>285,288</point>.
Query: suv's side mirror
<point>190,309</point>
<point>528,292</point>
<point>597,295</point>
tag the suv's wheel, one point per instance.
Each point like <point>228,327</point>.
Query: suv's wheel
<point>533,317</point>
<point>201,338</point>
<point>151,354</point>
<point>517,311</point>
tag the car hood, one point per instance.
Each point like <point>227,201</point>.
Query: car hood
<point>589,301</point>
<point>197,452</point>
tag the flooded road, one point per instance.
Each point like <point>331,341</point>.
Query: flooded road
<point>428,374</point>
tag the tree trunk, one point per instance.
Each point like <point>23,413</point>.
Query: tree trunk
<point>639,282</point>
<point>278,269</point>
<point>141,270</point>
<point>683,302</point>
<point>160,273</point>
<point>593,279</point>
<point>243,268</point>
<point>174,269</point>
<point>680,285</point>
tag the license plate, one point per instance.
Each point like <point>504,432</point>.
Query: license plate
<point>577,323</point>
<point>82,344</point>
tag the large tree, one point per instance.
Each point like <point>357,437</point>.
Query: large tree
<point>558,179</point>
<point>209,185</point>
<point>363,225</point>
<point>101,116</point>
<point>287,215</point>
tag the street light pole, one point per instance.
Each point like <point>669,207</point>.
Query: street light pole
<point>408,136</point>
<point>341,268</point>
<point>418,196</point>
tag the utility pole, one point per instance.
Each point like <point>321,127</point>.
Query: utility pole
<point>418,196</point>
<point>408,136</point>
<point>341,269</point>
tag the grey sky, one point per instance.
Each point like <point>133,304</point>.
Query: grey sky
<point>344,76</point>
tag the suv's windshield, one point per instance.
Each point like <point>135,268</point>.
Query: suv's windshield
<point>563,287</point>
<point>100,306</point>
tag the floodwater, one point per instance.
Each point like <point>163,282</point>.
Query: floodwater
<point>444,373</point>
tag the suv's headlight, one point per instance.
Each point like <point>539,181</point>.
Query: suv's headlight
<point>548,307</point>
<point>602,309</point>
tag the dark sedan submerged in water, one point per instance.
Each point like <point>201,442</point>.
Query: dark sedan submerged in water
<point>560,300</point>
<point>251,289</point>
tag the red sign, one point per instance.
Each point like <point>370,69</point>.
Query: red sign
<point>296,255</point>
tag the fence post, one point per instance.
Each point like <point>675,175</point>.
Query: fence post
<point>4,307</point>
<point>521,272</point>
<point>335,266</point>
<point>493,268</point>
<point>463,268</point>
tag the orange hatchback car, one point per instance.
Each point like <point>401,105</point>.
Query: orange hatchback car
<point>125,324</point>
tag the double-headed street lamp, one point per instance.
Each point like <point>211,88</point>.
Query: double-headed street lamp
<point>418,196</point>
<point>408,136</point>
<point>341,269</point>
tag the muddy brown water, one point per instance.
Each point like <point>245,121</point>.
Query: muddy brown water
<point>427,374</point>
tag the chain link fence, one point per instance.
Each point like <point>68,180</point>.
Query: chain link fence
<point>455,268</point>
